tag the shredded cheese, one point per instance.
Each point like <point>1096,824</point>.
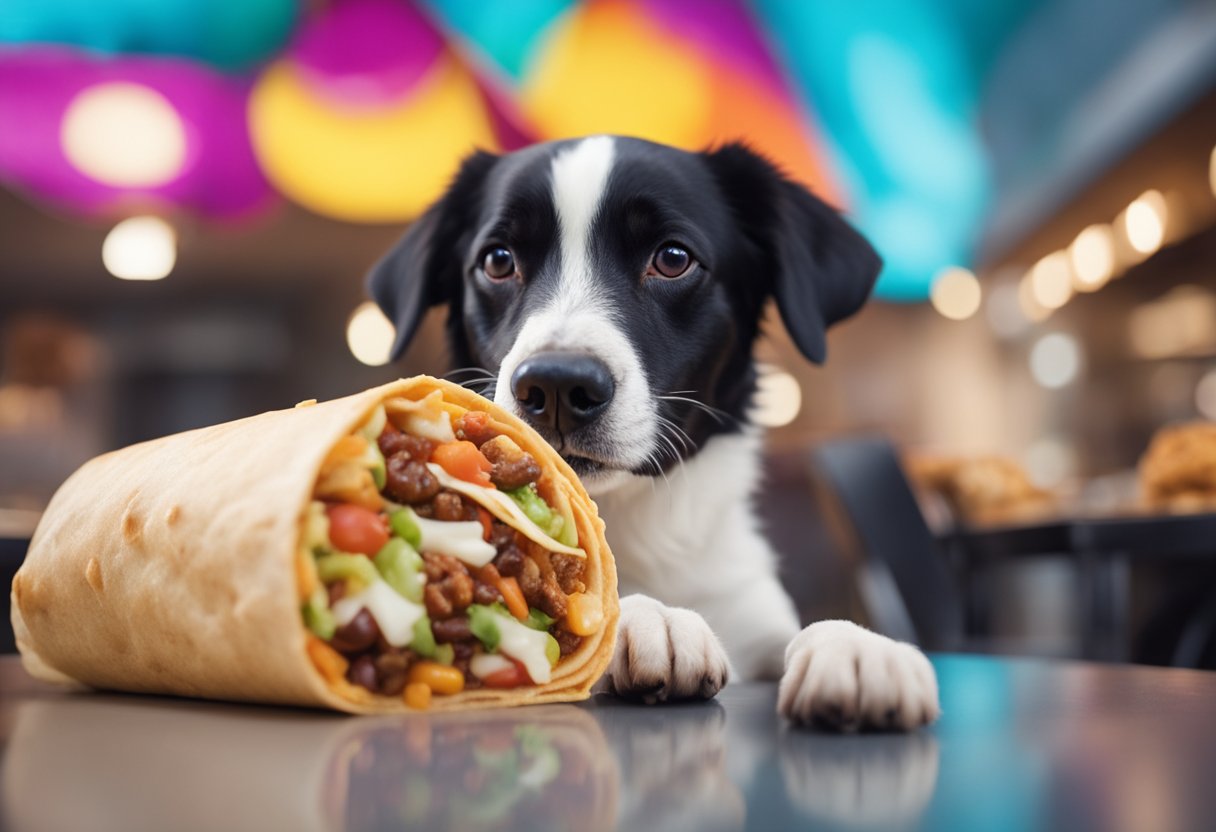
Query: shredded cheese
<point>504,508</point>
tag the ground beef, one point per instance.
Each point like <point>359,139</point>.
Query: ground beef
<point>513,466</point>
<point>392,667</point>
<point>567,641</point>
<point>448,506</point>
<point>553,600</point>
<point>449,587</point>
<point>409,481</point>
<point>476,427</point>
<point>569,572</point>
<point>529,580</point>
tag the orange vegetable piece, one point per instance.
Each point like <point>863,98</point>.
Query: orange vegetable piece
<point>438,677</point>
<point>328,661</point>
<point>463,461</point>
<point>487,522</point>
<point>348,447</point>
<point>418,696</point>
<point>306,575</point>
<point>584,614</point>
<point>513,596</point>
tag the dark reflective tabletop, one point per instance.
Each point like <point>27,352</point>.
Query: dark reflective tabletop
<point>1022,745</point>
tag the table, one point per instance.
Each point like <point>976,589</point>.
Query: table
<point>1023,744</point>
<point>1103,547</point>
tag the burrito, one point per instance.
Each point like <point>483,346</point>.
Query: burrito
<point>412,546</point>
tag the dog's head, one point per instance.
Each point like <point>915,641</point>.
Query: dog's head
<point>614,288</point>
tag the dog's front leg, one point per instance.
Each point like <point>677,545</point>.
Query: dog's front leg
<point>664,653</point>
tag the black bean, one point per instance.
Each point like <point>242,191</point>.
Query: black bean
<point>356,635</point>
<point>510,561</point>
<point>451,630</point>
<point>485,594</point>
<point>393,442</point>
<point>501,534</point>
<point>363,672</point>
<point>516,473</point>
<point>408,480</point>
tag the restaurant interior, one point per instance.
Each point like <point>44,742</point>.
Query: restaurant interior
<point>1011,449</point>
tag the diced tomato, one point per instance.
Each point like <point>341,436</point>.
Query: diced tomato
<point>508,677</point>
<point>463,461</point>
<point>356,529</point>
<point>487,522</point>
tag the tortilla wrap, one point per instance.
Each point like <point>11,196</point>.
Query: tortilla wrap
<point>169,567</point>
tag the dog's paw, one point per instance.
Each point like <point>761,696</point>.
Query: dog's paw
<point>844,677</point>
<point>664,653</point>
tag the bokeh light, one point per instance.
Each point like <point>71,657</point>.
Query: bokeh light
<point>1144,222</point>
<point>956,294</point>
<point>1051,281</point>
<point>1055,360</point>
<point>140,248</point>
<point>1212,172</point>
<point>369,334</point>
<point>124,135</point>
<point>1093,258</point>
<point>778,397</point>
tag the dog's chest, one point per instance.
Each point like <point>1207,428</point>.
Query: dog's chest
<point>678,538</point>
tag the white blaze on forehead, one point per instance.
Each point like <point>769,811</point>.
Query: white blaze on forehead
<point>580,177</point>
<point>580,317</point>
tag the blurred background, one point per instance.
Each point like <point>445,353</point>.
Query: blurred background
<point>192,190</point>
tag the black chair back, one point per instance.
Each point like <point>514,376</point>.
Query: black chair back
<point>902,562</point>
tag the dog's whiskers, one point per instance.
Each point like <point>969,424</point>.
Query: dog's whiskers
<point>679,433</point>
<point>720,416</point>
<point>480,380</point>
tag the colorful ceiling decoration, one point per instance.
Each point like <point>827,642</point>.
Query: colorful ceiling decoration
<point>117,136</point>
<point>360,110</point>
<point>368,115</point>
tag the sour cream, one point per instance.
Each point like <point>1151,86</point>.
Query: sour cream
<point>460,539</point>
<point>395,616</point>
<point>527,646</point>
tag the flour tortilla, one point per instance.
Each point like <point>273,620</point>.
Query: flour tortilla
<point>169,567</point>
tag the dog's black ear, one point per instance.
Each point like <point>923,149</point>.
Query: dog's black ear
<point>424,268</point>
<point>822,269</point>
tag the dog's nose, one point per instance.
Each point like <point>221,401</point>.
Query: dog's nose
<point>564,390</point>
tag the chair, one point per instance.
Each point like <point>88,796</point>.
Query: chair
<point>904,578</point>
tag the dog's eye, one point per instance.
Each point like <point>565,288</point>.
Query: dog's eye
<point>672,261</point>
<point>498,263</point>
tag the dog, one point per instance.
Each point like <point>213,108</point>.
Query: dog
<point>613,289</point>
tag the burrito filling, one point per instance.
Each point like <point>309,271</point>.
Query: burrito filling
<point>436,556</point>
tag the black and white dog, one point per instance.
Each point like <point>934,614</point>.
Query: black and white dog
<point>614,289</point>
